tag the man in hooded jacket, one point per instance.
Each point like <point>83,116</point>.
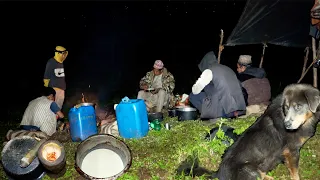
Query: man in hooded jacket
<point>222,95</point>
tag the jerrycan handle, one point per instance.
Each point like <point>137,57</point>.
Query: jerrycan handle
<point>125,99</point>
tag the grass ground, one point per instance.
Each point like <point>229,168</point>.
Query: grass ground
<point>158,155</point>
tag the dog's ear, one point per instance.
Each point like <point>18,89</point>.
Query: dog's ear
<point>287,92</point>
<point>313,99</point>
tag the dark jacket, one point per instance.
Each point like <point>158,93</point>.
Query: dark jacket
<point>223,93</point>
<point>256,84</point>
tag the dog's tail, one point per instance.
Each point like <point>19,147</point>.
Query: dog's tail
<point>190,167</point>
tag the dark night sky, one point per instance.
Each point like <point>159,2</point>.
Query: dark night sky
<point>112,45</point>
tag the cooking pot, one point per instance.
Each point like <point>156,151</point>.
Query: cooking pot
<point>98,165</point>
<point>172,112</point>
<point>187,113</point>
<point>154,116</point>
<point>13,152</point>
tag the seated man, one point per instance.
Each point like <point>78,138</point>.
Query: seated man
<point>163,83</point>
<point>222,96</point>
<point>42,113</point>
<point>253,80</point>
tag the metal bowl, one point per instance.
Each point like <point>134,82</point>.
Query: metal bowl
<point>172,112</point>
<point>154,116</point>
<point>186,109</point>
<point>187,113</point>
<point>85,104</point>
<point>103,141</point>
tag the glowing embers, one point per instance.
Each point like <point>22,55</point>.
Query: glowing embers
<point>51,152</point>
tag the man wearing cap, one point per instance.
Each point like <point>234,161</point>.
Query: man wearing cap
<point>161,82</point>
<point>217,93</point>
<point>254,81</point>
<point>54,74</point>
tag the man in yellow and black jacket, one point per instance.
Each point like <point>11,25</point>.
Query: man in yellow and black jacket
<point>54,75</point>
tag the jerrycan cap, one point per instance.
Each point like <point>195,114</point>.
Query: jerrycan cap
<point>125,99</point>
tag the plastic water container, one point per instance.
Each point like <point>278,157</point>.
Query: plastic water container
<point>132,118</point>
<point>82,119</point>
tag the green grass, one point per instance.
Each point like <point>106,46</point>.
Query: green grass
<point>158,155</point>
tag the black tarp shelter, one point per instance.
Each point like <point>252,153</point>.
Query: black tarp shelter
<point>279,22</point>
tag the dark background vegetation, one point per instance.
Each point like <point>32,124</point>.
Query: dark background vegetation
<point>113,44</point>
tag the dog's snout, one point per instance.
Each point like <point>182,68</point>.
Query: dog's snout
<point>287,124</point>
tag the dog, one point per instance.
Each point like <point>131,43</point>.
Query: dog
<point>276,137</point>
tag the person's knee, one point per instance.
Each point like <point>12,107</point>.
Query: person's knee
<point>162,92</point>
<point>191,97</point>
<point>140,94</point>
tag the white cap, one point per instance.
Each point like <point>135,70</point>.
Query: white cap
<point>245,60</point>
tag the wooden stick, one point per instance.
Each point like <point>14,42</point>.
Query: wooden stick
<point>315,70</point>
<point>262,56</point>
<point>305,60</point>
<point>307,70</point>
<point>221,47</point>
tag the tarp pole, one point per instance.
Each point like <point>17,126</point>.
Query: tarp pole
<point>315,71</point>
<point>314,53</point>
<point>221,47</point>
<point>305,61</point>
<point>262,56</point>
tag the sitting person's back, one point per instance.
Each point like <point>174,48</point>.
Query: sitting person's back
<point>259,91</point>
<point>254,81</point>
<point>41,113</point>
<point>222,95</point>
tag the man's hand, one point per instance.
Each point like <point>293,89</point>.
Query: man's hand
<point>145,87</point>
<point>221,48</point>
<point>315,13</point>
<point>46,82</point>
<point>155,91</point>
<point>60,115</point>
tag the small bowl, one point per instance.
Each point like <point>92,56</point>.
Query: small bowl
<point>172,113</point>
<point>154,116</point>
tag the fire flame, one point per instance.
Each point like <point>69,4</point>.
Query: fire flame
<point>83,99</point>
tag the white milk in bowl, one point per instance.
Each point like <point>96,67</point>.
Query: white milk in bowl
<point>102,163</point>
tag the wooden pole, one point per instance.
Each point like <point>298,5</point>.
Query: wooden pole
<point>315,71</point>
<point>262,56</point>
<point>306,71</point>
<point>305,61</point>
<point>221,47</point>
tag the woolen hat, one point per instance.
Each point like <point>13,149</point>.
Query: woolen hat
<point>158,64</point>
<point>245,60</point>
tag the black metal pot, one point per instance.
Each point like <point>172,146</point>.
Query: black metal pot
<point>154,116</point>
<point>172,112</point>
<point>11,155</point>
<point>187,113</point>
